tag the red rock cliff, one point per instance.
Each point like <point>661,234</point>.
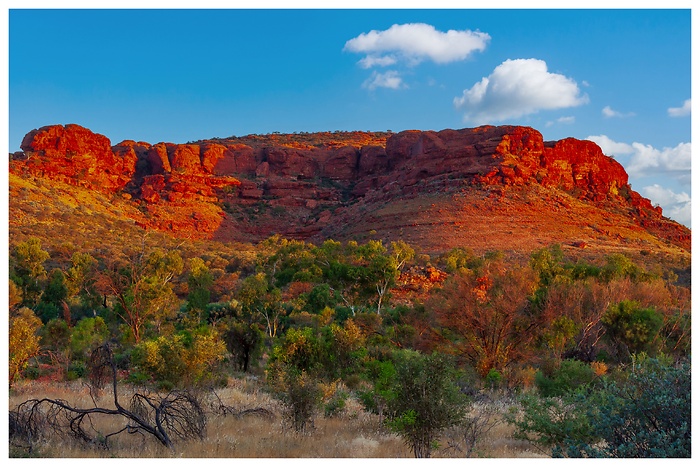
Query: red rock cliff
<point>76,155</point>
<point>306,177</point>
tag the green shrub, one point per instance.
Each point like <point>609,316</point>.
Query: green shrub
<point>55,335</point>
<point>630,325</point>
<point>47,311</point>
<point>320,297</point>
<point>138,378</point>
<point>87,334</point>
<point>643,413</point>
<point>646,415</point>
<point>244,342</point>
<point>550,422</point>
<point>32,372</point>
<point>182,359</point>
<point>494,378</point>
<point>570,375</point>
<point>76,370</point>
<point>427,400</point>
<point>335,406</point>
<point>300,395</point>
<point>382,375</point>
<point>298,348</point>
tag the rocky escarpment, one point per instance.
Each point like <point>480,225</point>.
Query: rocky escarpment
<point>306,185</point>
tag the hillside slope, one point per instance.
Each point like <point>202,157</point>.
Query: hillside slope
<point>485,188</point>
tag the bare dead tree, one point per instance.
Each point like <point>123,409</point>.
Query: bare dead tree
<point>177,414</point>
<point>463,438</point>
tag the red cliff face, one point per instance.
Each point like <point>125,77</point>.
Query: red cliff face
<point>175,181</point>
<point>78,156</point>
<point>570,164</point>
<point>304,180</point>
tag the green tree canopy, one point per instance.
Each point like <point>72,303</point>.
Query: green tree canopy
<point>28,270</point>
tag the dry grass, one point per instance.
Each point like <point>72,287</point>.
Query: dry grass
<point>354,433</point>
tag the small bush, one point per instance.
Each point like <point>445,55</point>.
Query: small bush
<point>32,372</point>
<point>138,378</point>
<point>300,395</point>
<point>244,342</point>
<point>382,375</point>
<point>76,370</point>
<point>23,341</point>
<point>550,422</point>
<point>47,311</point>
<point>335,405</point>
<point>570,375</point>
<point>631,326</point>
<point>494,379</point>
<point>181,359</point>
<point>426,400</point>
<point>87,334</point>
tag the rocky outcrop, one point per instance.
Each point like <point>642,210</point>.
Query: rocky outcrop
<point>506,156</point>
<point>297,185</point>
<point>179,175</point>
<point>78,156</point>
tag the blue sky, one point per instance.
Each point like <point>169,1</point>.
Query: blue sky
<point>619,77</point>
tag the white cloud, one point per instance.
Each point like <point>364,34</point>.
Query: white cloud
<point>608,112</point>
<point>671,165</point>
<point>389,79</point>
<point>680,111</point>
<point>516,88</point>
<point>675,205</point>
<point>645,160</point>
<point>372,60</point>
<point>414,43</point>
<point>562,120</point>
<point>610,147</point>
<point>566,120</point>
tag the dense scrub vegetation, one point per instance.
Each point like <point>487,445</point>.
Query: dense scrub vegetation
<point>597,353</point>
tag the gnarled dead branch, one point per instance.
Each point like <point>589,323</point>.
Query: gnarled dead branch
<point>177,414</point>
<point>218,407</point>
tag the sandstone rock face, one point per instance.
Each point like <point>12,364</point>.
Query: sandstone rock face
<point>275,184</point>
<point>505,155</point>
<point>78,156</point>
<point>157,158</point>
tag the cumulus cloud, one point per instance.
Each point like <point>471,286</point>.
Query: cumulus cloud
<point>646,160</point>
<point>680,111</point>
<point>415,42</point>
<point>562,121</point>
<point>370,61</point>
<point>675,205</point>
<point>610,147</point>
<point>516,88</point>
<point>389,79</point>
<point>608,112</point>
<point>671,164</point>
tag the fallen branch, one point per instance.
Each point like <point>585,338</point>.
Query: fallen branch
<point>177,414</point>
<point>219,407</point>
